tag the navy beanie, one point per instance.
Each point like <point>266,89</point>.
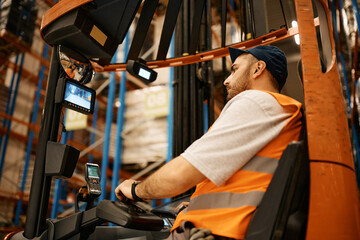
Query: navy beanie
<point>274,58</point>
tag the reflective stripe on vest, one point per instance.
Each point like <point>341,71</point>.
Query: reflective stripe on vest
<point>234,200</point>
<point>225,200</point>
<point>261,164</point>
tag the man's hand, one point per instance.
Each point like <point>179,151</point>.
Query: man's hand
<point>124,189</point>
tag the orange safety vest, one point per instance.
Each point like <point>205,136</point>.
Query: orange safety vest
<point>227,209</point>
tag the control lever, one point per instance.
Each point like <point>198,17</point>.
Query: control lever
<point>84,196</point>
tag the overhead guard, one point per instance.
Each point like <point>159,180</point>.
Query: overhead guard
<point>94,29</point>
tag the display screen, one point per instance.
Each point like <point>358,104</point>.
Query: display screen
<point>143,73</point>
<point>92,171</point>
<point>77,95</point>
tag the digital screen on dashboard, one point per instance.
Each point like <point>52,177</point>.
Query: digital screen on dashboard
<point>79,97</point>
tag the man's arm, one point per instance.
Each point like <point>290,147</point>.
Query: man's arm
<point>175,177</point>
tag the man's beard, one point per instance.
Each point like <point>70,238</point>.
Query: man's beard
<point>243,85</point>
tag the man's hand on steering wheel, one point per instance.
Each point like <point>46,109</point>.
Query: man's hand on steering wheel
<point>124,190</point>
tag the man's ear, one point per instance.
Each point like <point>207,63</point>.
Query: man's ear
<point>258,69</point>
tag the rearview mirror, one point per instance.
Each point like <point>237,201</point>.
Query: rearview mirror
<point>75,65</point>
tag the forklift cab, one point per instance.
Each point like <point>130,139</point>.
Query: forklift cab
<point>283,212</point>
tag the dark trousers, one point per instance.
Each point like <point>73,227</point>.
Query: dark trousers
<point>183,233</point>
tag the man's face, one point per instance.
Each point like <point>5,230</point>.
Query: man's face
<point>239,79</point>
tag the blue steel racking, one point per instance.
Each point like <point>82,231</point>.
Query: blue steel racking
<point>108,123</point>
<point>119,125</point>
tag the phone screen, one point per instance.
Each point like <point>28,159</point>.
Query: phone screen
<point>92,171</point>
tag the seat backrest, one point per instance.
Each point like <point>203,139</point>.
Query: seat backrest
<point>282,213</point>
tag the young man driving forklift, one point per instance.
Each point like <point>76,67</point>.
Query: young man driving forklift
<point>233,163</point>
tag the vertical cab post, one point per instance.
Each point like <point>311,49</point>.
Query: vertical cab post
<point>334,204</point>
<point>40,187</point>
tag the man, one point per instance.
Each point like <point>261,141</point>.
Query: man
<point>232,165</point>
